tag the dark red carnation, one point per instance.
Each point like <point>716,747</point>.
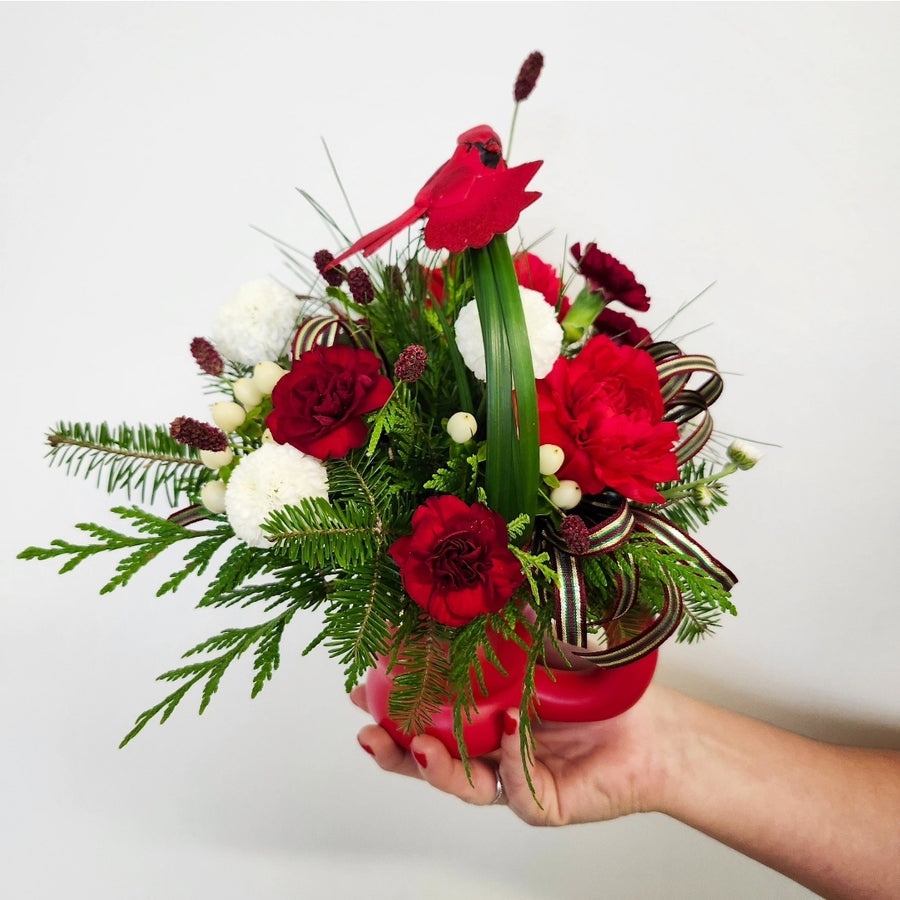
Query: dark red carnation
<point>319,404</point>
<point>605,273</point>
<point>604,408</point>
<point>457,564</point>
<point>622,328</point>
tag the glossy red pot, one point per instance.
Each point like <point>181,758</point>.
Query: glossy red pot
<point>563,695</point>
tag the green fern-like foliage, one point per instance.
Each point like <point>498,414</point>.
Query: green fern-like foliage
<point>225,648</point>
<point>153,536</point>
<point>141,460</point>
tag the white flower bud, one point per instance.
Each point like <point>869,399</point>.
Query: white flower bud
<point>228,415</point>
<point>461,427</point>
<point>567,495</point>
<point>212,496</point>
<point>743,454</point>
<point>246,393</point>
<point>552,457</point>
<point>703,495</point>
<point>215,459</point>
<point>266,375</point>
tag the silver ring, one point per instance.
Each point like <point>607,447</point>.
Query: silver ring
<point>499,795</point>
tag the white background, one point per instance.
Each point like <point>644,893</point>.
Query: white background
<point>756,146</point>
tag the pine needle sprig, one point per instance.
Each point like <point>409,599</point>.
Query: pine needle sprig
<point>155,535</point>
<point>704,597</point>
<point>421,674</point>
<point>140,460</point>
<point>325,536</point>
<point>363,601</point>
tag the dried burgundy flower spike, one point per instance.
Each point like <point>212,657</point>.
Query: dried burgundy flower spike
<point>411,364</point>
<point>360,286</point>
<point>207,357</point>
<point>197,434</point>
<point>323,259</point>
<point>528,76</point>
<point>576,534</point>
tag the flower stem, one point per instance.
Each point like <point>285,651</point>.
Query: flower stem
<point>682,490</point>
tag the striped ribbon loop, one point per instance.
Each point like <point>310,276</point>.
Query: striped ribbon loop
<point>672,536</point>
<point>627,588</point>
<point>571,598</point>
<point>648,640</point>
<point>320,331</point>
<point>683,404</point>
<point>570,595</point>
<point>190,514</point>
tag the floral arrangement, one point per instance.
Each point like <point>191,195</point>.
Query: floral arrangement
<point>457,446</point>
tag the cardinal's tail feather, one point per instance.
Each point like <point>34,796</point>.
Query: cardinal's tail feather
<point>370,242</point>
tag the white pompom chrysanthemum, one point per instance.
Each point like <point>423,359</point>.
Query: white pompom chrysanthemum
<point>544,334</point>
<point>257,323</point>
<point>275,476</point>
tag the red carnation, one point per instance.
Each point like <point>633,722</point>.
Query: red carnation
<point>605,273</point>
<point>457,564</point>
<point>319,404</point>
<point>532,272</point>
<point>604,408</point>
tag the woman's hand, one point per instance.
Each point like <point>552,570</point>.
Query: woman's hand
<point>581,772</point>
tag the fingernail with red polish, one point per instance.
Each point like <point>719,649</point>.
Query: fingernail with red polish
<point>509,724</point>
<point>367,748</point>
<point>421,759</point>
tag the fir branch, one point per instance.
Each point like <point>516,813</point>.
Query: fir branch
<point>363,603</point>
<point>704,597</point>
<point>325,536</point>
<point>420,679</point>
<point>142,460</point>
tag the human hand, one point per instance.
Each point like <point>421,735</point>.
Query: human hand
<point>581,772</point>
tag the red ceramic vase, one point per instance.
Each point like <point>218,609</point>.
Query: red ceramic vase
<point>563,695</point>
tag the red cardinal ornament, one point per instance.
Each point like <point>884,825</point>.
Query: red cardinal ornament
<point>470,198</point>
